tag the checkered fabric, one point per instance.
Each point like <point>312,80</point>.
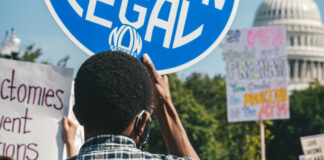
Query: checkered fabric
<point>117,147</point>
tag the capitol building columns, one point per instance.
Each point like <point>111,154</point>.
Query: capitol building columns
<point>320,71</point>
<point>296,76</point>
<point>305,37</point>
<point>306,70</point>
<point>306,75</point>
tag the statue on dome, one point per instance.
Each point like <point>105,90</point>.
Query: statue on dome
<point>10,46</point>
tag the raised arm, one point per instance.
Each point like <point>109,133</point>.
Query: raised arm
<point>174,135</point>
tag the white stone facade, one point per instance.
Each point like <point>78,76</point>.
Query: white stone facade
<point>11,44</point>
<point>305,37</point>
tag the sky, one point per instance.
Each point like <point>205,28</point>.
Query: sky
<point>34,25</point>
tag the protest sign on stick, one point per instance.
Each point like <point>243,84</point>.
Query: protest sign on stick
<point>256,80</point>
<point>33,100</point>
<point>256,64</point>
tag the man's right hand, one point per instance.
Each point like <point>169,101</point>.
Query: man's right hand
<point>174,135</point>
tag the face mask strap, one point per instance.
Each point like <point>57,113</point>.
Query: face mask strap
<point>144,138</point>
<point>139,117</point>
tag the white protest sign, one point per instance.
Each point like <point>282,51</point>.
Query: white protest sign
<point>256,64</point>
<point>313,147</point>
<point>302,157</point>
<point>33,100</point>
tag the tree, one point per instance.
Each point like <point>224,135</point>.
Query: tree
<point>306,118</point>
<point>63,62</point>
<point>199,124</point>
<point>201,105</point>
<point>239,140</point>
<point>31,54</point>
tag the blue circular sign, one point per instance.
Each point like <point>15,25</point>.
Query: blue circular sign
<point>174,33</point>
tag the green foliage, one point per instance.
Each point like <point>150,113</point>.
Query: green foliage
<point>201,105</point>
<point>199,124</point>
<point>240,140</point>
<point>31,54</point>
<point>63,62</point>
<point>306,118</point>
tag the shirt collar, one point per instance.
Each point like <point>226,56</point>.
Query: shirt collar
<point>104,142</point>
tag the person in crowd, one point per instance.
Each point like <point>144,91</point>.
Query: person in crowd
<point>115,97</point>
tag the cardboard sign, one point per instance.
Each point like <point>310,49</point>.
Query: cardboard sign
<point>175,33</point>
<point>313,147</point>
<point>256,64</point>
<point>33,100</point>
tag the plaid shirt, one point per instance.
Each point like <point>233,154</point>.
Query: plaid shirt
<point>116,147</point>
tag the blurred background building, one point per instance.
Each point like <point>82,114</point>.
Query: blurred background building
<point>10,46</point>
<point>305,37</point>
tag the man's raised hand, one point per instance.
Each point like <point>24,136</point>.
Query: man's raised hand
<point>161,91</point>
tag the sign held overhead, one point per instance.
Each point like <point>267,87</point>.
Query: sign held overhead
<point>175,33</point>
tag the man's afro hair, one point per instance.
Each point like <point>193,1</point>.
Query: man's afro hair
<point>111,88</point>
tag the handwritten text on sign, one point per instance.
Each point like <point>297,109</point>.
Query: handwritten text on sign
<point>313,147</point>
<point>256,64</point>
<point>33,100</point>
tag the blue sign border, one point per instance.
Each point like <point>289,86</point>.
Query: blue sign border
<point>166,71</point>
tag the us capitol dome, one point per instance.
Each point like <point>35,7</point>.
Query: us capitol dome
<point>305,37</point>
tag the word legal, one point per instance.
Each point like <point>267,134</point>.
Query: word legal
<point>154,19</point>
